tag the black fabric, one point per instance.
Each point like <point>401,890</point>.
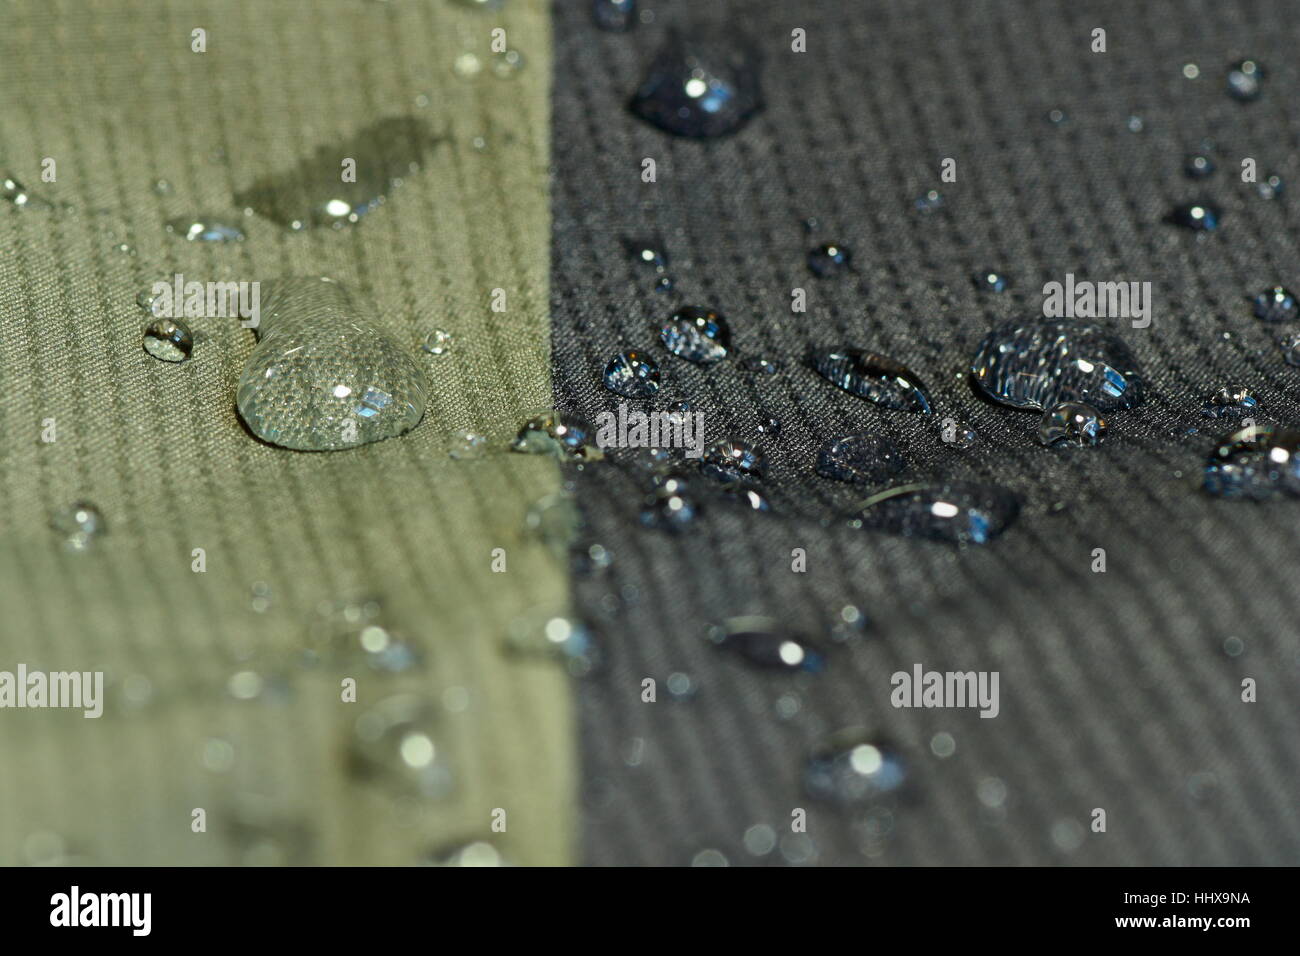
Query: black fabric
<point>1116,689</point>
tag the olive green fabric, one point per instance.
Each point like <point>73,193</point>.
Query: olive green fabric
<point>115,95</point>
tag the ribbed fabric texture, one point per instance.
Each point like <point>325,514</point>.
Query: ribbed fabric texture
<point>113,92</point>
<point>1116,690</point>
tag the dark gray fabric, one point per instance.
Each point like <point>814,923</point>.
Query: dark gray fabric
<point>1116,689</point>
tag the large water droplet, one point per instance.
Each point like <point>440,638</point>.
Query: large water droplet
<point>863,459</point>
<point>1275,305</point>
<point>874,377</point>
<point>81,525</point>
<point>1072,423</point>
<point>205,229</point>
<point>854,768</point>
<point>557,433</point>
<point>696,334</point>
<point>395,743</point>
<point>1230,401</point>
<point>1256,463</point>
<point>961,512</point>
<point>1040,364</point>
<point>763,641</point>
<point>632,374</point>
<point>1245,80</point>
<point>1197,215</point>
<point>701,87</point>
<point>169,340</point>
<point>733,459</point>
<point>323,376</point>
<point>312,193</point>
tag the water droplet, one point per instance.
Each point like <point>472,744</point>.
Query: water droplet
<point>942,745</point>
<point>1257,463</point>
<point>1270,187</point>
<point>395,742</point>
<point>632,374</point>
<point>959,512</point>
<point>466,445</point>
<point>169,340</point>
<point>15,192</point>
<point>1245,80</point>
<point>696,334</point>
<point>507,64</point>
<point>161,187</point>
<point>700,88</point>
<point>348,633</point>
<point>853,769</point>
<point>260,597</point>
<point>1197,215</point>
<point>557,433</point>
<point>205,229</point>
<point>744,495</point>
<point>615,15</point>
<point>761,366</point>
<point>733,459</point>
<point>322,376</point>
<point>81,525</point>
<point>1198,166</point>
<point>467,65</point>
<point>467,854</point>
<point>1057,117</point>
<point>874,377</point>
<point>1275,305</point>
<point>663,284</point>
<point>1230,401</point>
<point>670,505</point>
<point>762,641</point>
<point>151,303</point>
<point>829,259</point>
<point>1040,364</point>
<point>770,427</point>
<point>1290,346</point>
<point>957,433</point>
<point>647,252</point>
<point>929,202</point>
<point>556,638</point>
<point>1072,423</point>
<point>990,280</point>
<point>312,193</point>
<point>438,342</point>
<point>1191,71</point>
<point>680,686</point>
<point>124,249</point>
<point>863,459</point>
<point>1134,124</point>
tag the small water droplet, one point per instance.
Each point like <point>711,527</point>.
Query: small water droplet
<point>733,459</point>
<point>161,187</point>
<point>151,303</point>
<point>467,65</point>
<point>15,192</point>
<point>259,597</point>
<point>1230,401</point>
<point>874,377</point>
<point>1134,124</point>
<point>169,340</point>
<point>942,745</point>
<point>632,374</point>
<point>1290,346</point>
<point>81,525</point>
<point>957,433</point>
<point>348,632</point>
<point>1257,463</point>
<point>929,202</point>
<point>1245,80</point>
<point>1040,364</point>
<point>1270,187</point>
<point>205,229</point>
<point>763,641</point>
<point>1072,423</point>
<point>829,259</point>
<point>474,854</point>
<point>614,15</point>
<point>744,495</point>
<point>312,192</point>
<point>557,433</point>
<point>990,280</point>
<point>770,427</point>
<point>396,742</point>
<point>507,64</point>
<point>1197,215</point>
<point>670,505</point>
<point>1198,166</point>
<point>322,376</point>
<point>1191,71</point>
<point>959,512</point>
<point>556,638</point>
<point>863,459</point>
<point>701,88</point>
<point>125,249</point>
<point>437,342</point>
<point>647,252</point>
<point>761,366</point>
<point>1275,305</point>
<point>466,445</point>
<point>1057,117</point>
<point>853,769</point>
<point>696,334</point>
